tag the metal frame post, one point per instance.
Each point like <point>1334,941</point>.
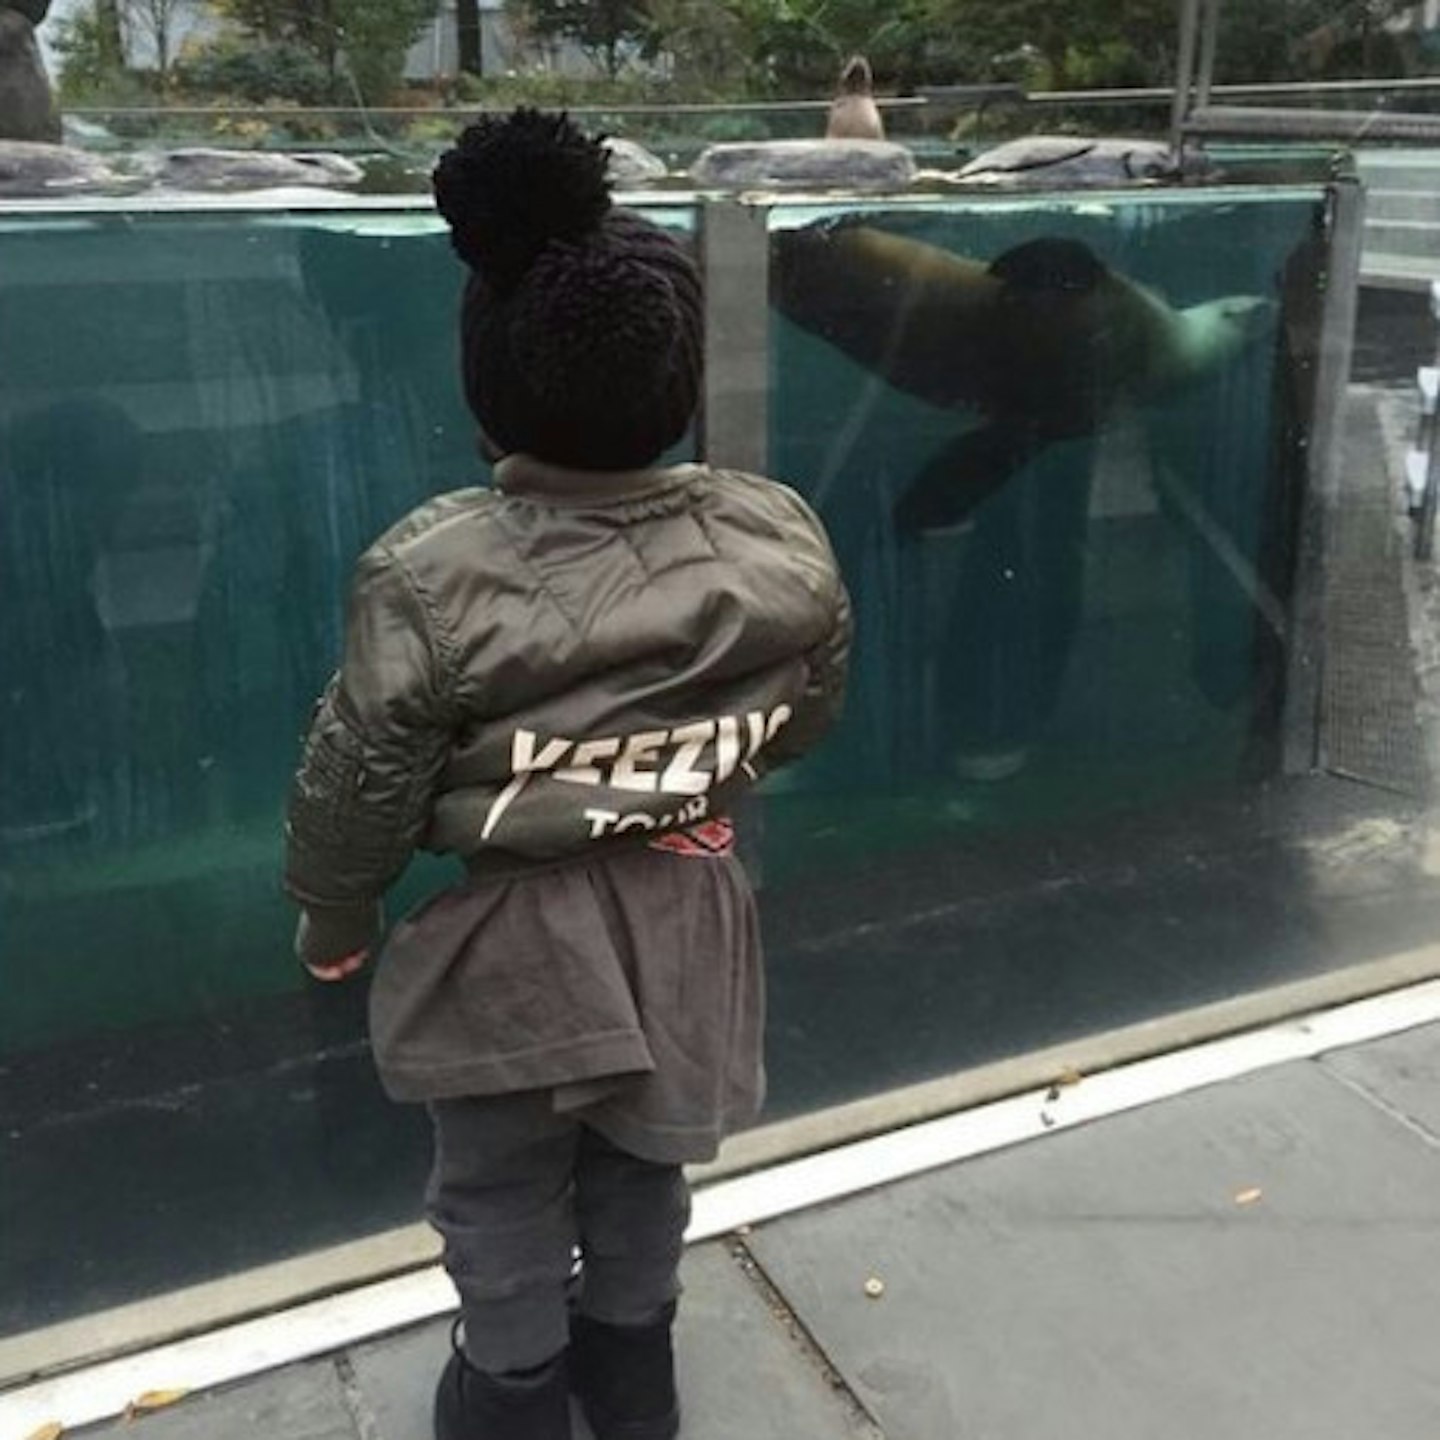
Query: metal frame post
<point>735,417</point>
<point>1209,47</point>
<point>1303,734</point>
<point>1184,71</point>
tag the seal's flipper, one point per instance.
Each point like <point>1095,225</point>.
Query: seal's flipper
<point>962,474</point>
<point>1050,264</point>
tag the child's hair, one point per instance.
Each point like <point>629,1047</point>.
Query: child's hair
<point>581,327</point>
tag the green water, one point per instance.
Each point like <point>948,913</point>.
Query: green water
<point>204,419</point>
<point>1107,628</point>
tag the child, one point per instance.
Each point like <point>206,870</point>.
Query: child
<point>566,680</point>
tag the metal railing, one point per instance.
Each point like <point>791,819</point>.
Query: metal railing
<point>1422,461</point>
<point>929,100</point>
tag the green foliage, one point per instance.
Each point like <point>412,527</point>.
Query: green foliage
<point>365,40</point>
<point>374,36</point>
<point>92,66</point>
<point>1264,40</point>
<point>258,71</point>
<point>604,29</point>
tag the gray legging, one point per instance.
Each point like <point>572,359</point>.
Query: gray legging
<point>515,1189</point>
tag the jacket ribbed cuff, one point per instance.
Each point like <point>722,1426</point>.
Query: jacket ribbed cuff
<point>327,933</point>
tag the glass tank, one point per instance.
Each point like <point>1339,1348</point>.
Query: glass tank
<point>1062,446</point>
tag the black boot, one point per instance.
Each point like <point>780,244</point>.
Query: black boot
<point>471,1404</point>
<point>624,1376</point>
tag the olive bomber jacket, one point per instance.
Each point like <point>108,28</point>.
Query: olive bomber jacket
<point>570,660</point>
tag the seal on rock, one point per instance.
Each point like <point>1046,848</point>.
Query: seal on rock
<point>854,114</point>
<point>1052,161</point>
<point>1045,342</point>
<point>204,169</point>
<point>805,165</point>
<point>630,164</point>
<point>30,170</point>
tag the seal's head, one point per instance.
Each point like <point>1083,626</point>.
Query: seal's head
<point>581,326</point>
<point>1211,335</point>
<point>856,77</point>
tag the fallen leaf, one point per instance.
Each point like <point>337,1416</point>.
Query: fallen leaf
<point>1249,1197</point>
<point>53,1431</point>
<point>153,1400</point>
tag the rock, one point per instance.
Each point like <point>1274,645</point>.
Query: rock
<point>806,165</point>
<point>1048,161</point>
<point>27,109</point>
<point>198,169</point>
<point>32,171</point>
<point>87,133</point>
<point>632,164</point>
<point>33,10</point>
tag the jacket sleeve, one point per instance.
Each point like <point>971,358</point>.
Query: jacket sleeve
<point>827,665</point>
<point>376,745</point>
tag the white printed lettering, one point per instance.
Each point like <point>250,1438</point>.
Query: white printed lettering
<point>637,821</point>
<point>755,724</point>
<point>639,748</point>
<point>681,777</point>
<point>524,762</point>
<point>600,821</point>
<point>583,770</point>
<point>727,748</point>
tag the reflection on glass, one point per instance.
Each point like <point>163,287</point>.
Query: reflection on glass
<point>1061,448</point>
<point>1052,467</point>
<point>204,420</point>
<point>202,423</point>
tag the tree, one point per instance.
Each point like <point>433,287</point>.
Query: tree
<point>1264,40</point>
<point>155,20</point>
<point>603,29</point>
<point>370,36</point>
<point>374,36</point>
<point>1047,44</point>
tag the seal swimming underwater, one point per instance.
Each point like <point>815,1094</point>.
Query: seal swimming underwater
<point>1045,343</point>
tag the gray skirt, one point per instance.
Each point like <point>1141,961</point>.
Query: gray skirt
<point>629,985</point>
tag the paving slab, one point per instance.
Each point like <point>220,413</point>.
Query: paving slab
<point>742,1371</point>
<point>1257,1258</point>
<point>303,1402</point>
<point>1401,1071</point>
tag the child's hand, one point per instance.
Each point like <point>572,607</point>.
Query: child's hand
<point>340,969</point>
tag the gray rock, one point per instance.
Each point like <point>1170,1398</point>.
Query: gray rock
<point>87,133</point>
<point>27,109</point>
<point>30,171</point>
<point>33,10</point>
<point>632,164</point>
<point>806,165</point>
<point>199,169</point>
<point>1053,160</point>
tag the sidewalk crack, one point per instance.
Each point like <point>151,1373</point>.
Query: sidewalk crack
<point>1379,1102</point>
<point>352,1395</point>
<point>863,1423</point>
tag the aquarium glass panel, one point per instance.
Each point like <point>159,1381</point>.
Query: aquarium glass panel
<point>1061,445</point>
<point>1088,773</point>
<point>203,420</point>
